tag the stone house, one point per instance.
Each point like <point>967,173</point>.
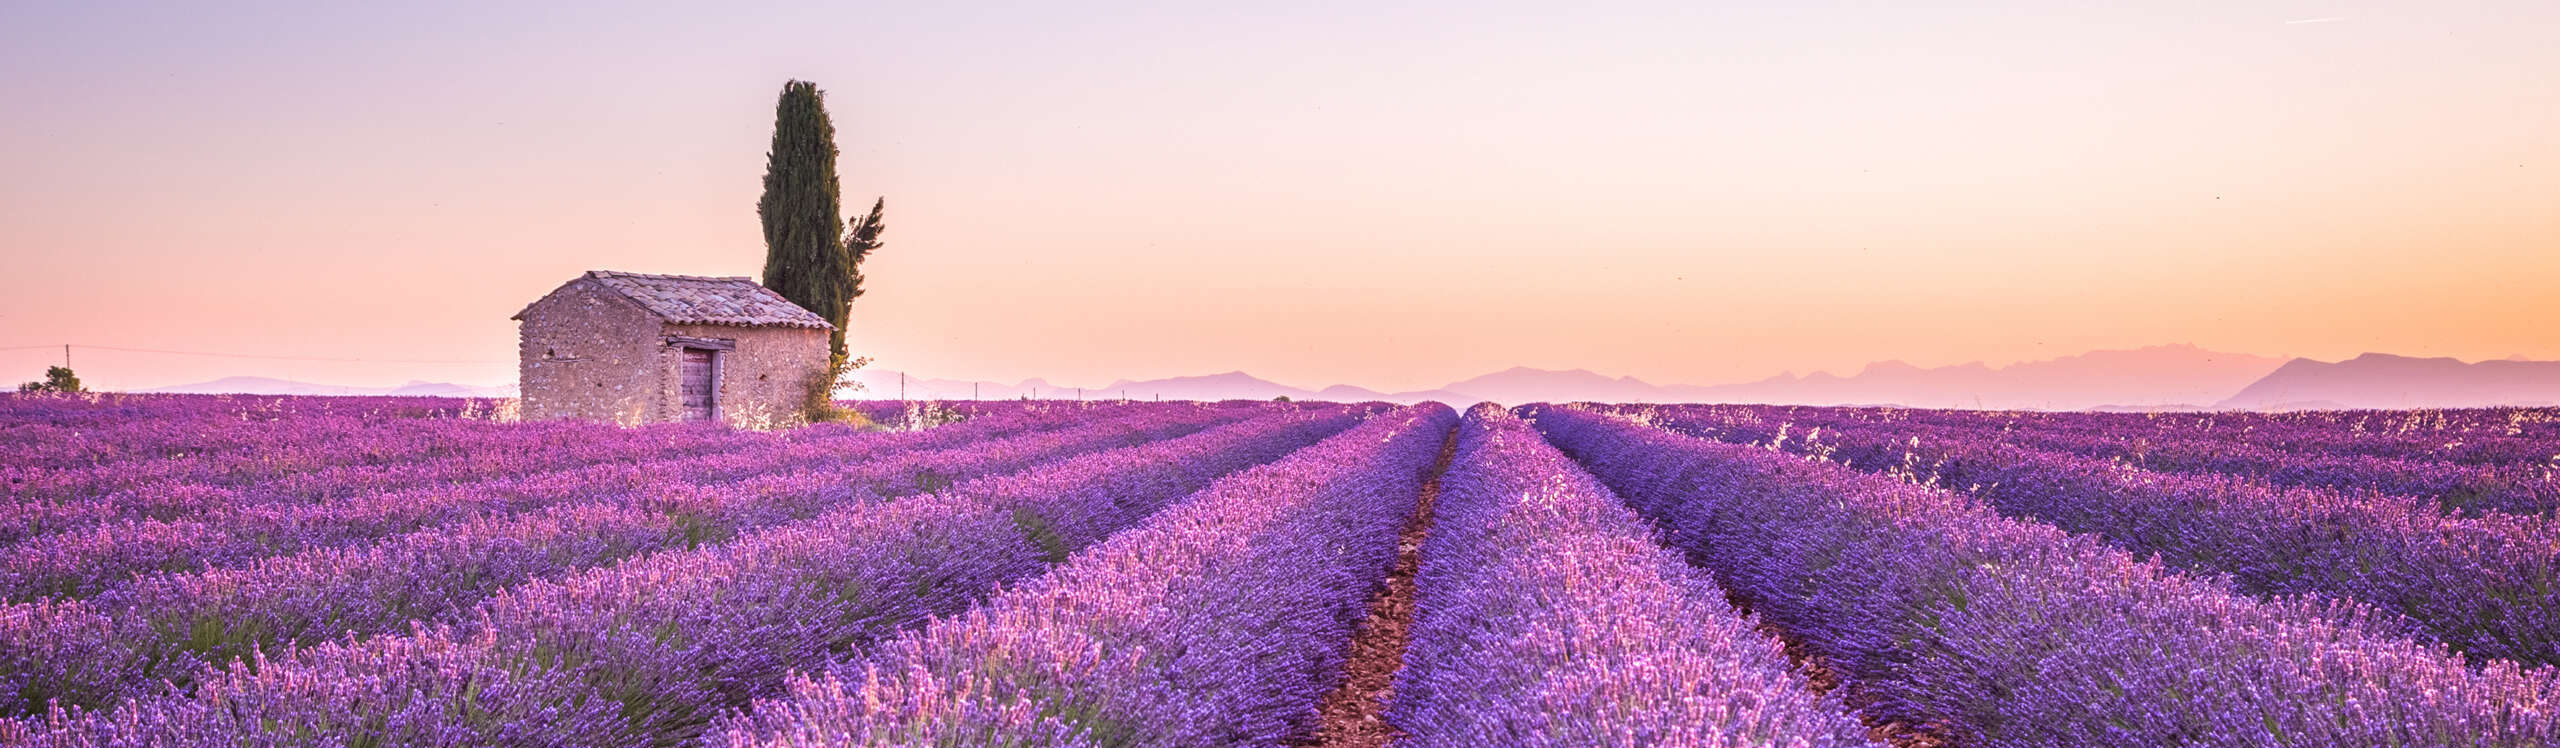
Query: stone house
<point>631,348</point>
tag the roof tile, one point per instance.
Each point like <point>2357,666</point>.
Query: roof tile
<point>698,300</point>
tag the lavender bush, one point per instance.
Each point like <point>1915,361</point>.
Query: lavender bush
<point>1218,622</point>
<point>2488,585</point>
<point>1545,615</point>
<point>84,562</point>
<point>167,627</point>
<point>2000,632</point>
<point>187,464</point>
<point>648,651</point>
<point>2526,487</point>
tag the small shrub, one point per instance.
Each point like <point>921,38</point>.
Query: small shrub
<point>56,379</point>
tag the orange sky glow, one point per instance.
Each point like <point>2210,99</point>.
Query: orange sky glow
<point>1389,195</point>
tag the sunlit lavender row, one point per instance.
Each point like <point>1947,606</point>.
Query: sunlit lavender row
<point>201,571</point>
<point>167,627</point>
<point>1219,622</point>
<point>2489,585</point>
<point>1947,617</point>
<point>2281,453</point>
<point>94,428</point>
<point>646,652</point>
<point>2466,436</point>
<point>1546,615</point>
<point>82,562</point>
<point>322,458</point>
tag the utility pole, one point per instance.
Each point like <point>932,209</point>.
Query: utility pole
<point>902,386</point>
<point>66,355</point>
<point>973,392</point>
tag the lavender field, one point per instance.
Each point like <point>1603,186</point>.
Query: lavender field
<point>181,570</point>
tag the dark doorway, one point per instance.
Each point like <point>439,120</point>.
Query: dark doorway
<point>694,383</point>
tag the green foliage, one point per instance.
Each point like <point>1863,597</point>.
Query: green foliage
<point>802,210</point>
<point>1281,399</point>
<point>812,255</point>
<point>931,482</point>
<point>1036,528</point>
<point>818,399</point>
<point>695,529</point>
<point>56,379</point>
<point>860,237</point>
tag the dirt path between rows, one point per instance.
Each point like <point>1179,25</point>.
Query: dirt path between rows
<point>1354,714</point>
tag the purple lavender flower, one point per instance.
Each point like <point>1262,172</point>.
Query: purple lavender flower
<point>1218,622</point>
<point>1545,615</point>
<point>2001,632</point>
<point>2488,585</point>
<point>650,650</point>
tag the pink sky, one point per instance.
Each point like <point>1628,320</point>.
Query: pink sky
<point>1392,196</point>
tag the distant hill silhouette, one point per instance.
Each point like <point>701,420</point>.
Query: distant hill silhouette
<point>2154,378</point>
<point>2145,378</point>
<point>273,386</point>
<point>1234,385</point>
<point>2381,380</point>
<point>1522,384</point>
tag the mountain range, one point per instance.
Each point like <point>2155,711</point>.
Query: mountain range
<point>2377,380</point>
<point>2156,377</point>
<point>272,386</point>
<point>1233,385</point>
<point>2166,377</point>
<point>2162,377</point>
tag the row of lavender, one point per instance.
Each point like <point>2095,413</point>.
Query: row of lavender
<point>221,437</point>
<point>2488,585</point>
<point>1546,615</point>
<point>2460,488</point>
<point>90,559</point>
<point>167,628</point>
<point>914,414</point>
<point>2465,436</point>
<point>918,414</point>
<point>1218,623</point>
<point>2282,456</point>
<point>48,501</point>
<point>649,650</point>
<point>185,460</point>
<point>68,430</point>
<point>1945,616</point>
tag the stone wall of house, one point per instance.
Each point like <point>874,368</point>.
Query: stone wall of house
<point>589,354</point>
<point>761,379</point>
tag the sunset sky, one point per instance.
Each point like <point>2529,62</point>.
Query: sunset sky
<point>1393,195</point>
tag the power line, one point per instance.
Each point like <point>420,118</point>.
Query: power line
<point>255,356</point>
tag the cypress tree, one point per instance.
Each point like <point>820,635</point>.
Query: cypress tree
<point>804,258</point>
<point>859,239</point>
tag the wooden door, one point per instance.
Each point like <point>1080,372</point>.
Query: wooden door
<point>694,383</point>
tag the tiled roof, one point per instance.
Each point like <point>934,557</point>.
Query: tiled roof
<point>697,300</point>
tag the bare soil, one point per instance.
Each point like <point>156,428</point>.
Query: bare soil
<point>1353,715</point>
